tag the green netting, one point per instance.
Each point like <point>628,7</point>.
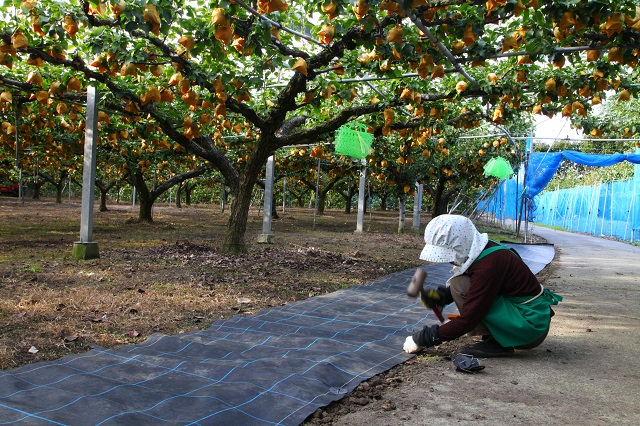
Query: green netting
<point>498,167</point>
<point>353,140</point>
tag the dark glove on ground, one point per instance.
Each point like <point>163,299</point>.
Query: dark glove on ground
<point>428,336</point>
<point>467,363</point>
<point>436,297</point>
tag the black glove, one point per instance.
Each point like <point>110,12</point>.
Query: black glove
<point>436,297</point>
<point>428,336</point>
<point>467,363</point>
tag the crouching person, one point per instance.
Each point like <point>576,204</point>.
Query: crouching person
<point>497,295</point>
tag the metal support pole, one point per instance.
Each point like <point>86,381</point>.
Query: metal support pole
<point>417,206</point>
<point>315,209</point>
<point>635,225</point>
<point>361,197</point>
<point>86,248</point>
<point>223,195</point>
<point>20,191</point>
<point>284,193</point>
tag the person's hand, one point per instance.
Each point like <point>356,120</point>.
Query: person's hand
<point>425,338</point>
<point>410,346</point>
<point>436,297</point>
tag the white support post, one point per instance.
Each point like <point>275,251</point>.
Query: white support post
<point>86,248</point>
<point>267,237</point>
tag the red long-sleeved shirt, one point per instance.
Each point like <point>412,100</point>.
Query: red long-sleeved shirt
<point>498,273</point>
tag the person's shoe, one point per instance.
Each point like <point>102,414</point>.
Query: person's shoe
<point>487,348</point>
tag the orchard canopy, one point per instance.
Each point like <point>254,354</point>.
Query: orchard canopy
<point>216,87</point>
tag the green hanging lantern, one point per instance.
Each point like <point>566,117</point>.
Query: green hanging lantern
<point>353,140</point>
<point>498,167</point>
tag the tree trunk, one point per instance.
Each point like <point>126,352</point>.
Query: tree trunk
<point>349,200</point>
<point>59,188</point>
<point>36,189</point>
<point>383,202</point>
<point>322,200</point>
<point>144,196</point>
<point>239,213</point>
<point>104,191</point>
<point>274,207</point>
<point>145,215</point>
<point>187,193</point>
<point>178,196</point>
<point>241,195</point>
<point>58,184</point>
<point>439,198</point>
<point>103,201</point>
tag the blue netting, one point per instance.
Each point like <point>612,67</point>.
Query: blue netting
<point>505,200</point>
<point>606,209</point>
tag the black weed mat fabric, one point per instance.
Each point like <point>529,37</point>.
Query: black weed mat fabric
<point>275,367</point>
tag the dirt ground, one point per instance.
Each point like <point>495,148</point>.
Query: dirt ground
<point>168,277</point>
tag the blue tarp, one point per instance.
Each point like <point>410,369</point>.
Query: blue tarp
<point>542,166</point>
<point>606,209</point>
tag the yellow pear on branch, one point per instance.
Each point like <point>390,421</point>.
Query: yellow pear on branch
<point>19,41</point>
<point>438,72</point>
<point>70,25</point>
<point>74,84</point>
<point>613,25</point>
<point>329,9</point>
<point>35,77</point>
<point>269,6</point>
<point>300,65</point>
<point>361,8</point>
<point>187,41</point>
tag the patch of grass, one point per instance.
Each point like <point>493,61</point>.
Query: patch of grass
<point>554,227</point>
<point>32,267</point>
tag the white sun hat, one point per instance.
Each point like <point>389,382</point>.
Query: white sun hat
<point>453,238</point>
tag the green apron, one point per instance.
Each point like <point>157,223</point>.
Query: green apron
<point>511,321</point>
